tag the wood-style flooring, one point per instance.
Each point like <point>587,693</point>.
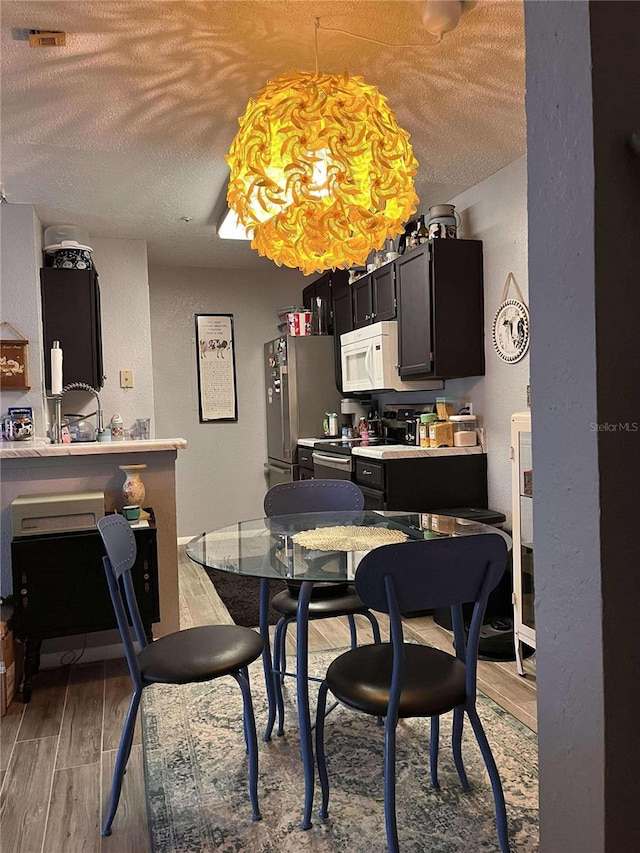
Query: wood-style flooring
<point>57,752</point>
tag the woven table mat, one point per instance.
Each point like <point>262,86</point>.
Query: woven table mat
<point>347,538</point>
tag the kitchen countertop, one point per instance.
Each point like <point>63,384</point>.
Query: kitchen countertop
<point>399,451</point>
<point>41,447</point>
<point>407,451</point>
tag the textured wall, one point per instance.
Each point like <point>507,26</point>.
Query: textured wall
<point>495,211</point>
<point>563,372</point>
<point>126,328</point>
<point>220,476</point>
<point>21,237</point>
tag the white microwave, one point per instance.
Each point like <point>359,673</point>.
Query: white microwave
<point>369,359</point>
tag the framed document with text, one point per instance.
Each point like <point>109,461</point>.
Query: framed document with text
<point>215,352</point>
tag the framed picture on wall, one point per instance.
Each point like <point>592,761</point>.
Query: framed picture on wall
<point>215,353</point>
<point>14,362</point>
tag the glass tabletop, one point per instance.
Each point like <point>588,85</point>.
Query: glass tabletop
<point>318,546</point>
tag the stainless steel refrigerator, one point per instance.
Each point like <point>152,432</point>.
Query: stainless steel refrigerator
<point>300,387</point>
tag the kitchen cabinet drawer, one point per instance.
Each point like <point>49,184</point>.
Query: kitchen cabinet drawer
<point>373,499</point>
<point>369,473</point>
<point>305,457</point>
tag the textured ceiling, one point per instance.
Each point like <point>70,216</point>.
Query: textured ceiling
<point>125,129</point>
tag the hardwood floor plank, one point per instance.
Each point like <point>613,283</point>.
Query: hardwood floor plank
<point>25,795</point>
<point>9,727</point>
<point>43,714</point>
<point>130,832</point>
<point>74,815</point>
<point>117,694</point>
<point>81,730</point>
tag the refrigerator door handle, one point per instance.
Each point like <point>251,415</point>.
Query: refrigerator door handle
<point>284,415</point>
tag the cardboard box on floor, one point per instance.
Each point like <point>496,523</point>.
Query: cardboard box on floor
<point>7,667</point>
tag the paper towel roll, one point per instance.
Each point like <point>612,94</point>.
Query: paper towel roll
<point>56,368</point>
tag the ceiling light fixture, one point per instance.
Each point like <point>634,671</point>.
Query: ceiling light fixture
<point>320,171</point>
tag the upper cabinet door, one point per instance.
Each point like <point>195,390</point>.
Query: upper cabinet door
<point>362,302</point>
<point>415,352</point>
<point>383,291</point>
<point>440,310</point>
<point>71,315</point>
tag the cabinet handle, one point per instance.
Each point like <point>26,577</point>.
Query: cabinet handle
<point>373,316</point>
<point>23,592</point>
<point>367,473</point>
<point>367,317</point>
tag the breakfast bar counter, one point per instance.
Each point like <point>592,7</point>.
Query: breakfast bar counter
<point>37,467</point>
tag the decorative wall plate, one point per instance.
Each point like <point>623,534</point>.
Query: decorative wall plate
<point>511,330</point>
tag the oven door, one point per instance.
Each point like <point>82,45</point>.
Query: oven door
<point>329,467</point>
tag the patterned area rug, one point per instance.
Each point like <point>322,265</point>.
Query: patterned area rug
<point>241,596</point>
<point>196,771</point>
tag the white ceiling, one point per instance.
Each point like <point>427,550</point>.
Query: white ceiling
<point>125,129</point>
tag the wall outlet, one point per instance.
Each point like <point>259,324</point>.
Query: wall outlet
<point>126,378</point>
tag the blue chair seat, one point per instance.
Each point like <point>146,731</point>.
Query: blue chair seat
<point>198,654</point>
<point>433,683</point>
<point>325,602</point>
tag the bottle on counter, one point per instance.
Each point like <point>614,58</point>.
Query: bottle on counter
<point>117,428</point>
<point>425,420</point>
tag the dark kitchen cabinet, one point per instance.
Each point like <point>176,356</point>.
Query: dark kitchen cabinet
<point>441,310</point>
<point>317,297</point>
<point>71,315</point>
<point>341,315</point>
<point>305,463</point>
<point>60,589</point>
<point>425,483</point>
<point>374,297</point>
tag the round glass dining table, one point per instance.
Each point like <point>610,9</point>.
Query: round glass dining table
<point>310,548</point>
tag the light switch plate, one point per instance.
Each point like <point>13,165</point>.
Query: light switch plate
<point>126,378</point>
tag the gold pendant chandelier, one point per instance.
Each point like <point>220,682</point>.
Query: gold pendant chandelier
<point>321,172</point>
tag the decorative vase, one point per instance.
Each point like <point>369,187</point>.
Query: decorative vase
<point>133,489</point>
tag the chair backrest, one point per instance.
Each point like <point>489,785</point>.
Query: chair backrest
<point>434,573</point>
<point>312,496</point>
<point>120,545</point>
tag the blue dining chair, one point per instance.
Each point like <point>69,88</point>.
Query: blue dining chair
<point>398,679</point>
<point>328,600</point>
<point>184,657</point>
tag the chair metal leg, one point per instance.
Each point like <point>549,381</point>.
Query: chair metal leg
<point>283,651</point>
<point>278,664</point>
<point>390,783</point>
<point>249,724</point>
<point>456,744</point>
<point>267,665</point>
<point>434,744</point>
<point>494,776</point>
<point>375,627</point>
<point>353,631</point>
<point>320,756</point>
<point>302,669</point>
<point>122,757</point>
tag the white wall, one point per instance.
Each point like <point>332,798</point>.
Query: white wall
<point>495,211</point>
<point>220,476</point>
<point>21,235</point>
<point>126,328</point>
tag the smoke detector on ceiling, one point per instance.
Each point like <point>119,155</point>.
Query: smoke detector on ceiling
<point>441,16</point>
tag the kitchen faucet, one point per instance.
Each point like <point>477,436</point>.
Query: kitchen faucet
<point>73,386</point>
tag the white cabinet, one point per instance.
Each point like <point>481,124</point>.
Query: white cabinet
<point>524,623</point>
